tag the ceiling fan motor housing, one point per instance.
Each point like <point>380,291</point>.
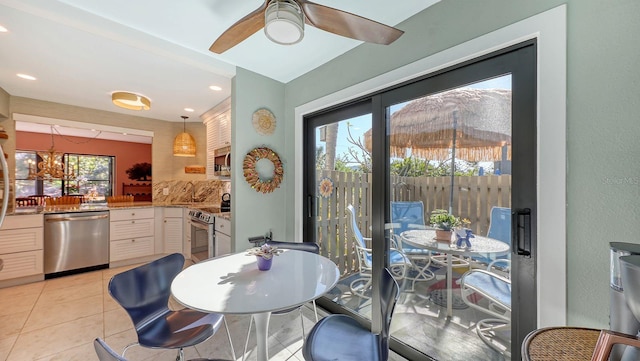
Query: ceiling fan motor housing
<point>284,22</point>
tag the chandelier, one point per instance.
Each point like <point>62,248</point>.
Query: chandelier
<point>51,166</point>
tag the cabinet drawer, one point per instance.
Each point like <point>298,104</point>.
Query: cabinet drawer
<point>173,212</point>
<point>130,229</point>
<point>131,213</point>
<point>223,225</point>
<point>19,240</point>
<point>23,221</point>
<point>21,264</point>
<point>130,248</point>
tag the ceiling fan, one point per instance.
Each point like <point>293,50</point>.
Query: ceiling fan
<point>283,22</point>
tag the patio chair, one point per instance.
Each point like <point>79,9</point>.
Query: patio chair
<point>573,344</point>
<point>398,261</point>
<point>500,229</point>
<point>341,337</point>
<point>144,293</point>
<point>405,216</point>
<point>495,301</point>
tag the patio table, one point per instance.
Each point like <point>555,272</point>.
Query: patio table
<point>233,284</point>
<point>425,238</point>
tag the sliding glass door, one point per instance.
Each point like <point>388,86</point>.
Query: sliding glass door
<point>451,150</point>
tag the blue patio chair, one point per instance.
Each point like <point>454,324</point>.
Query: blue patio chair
<point>499,229</point>
<point>406,216</point>
<point>398,261</point>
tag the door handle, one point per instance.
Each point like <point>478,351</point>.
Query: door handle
<point>310,208</point>
<point>521,231</point>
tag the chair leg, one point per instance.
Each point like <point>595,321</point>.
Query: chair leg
<point>180,356</point>
<point>487,329</point>
<point>127,347</point>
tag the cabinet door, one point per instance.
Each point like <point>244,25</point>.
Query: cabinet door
<point>130,229</point>
<point>222,244</point>
<point>21,264</point>
<point>130,248</point>
<point>172,232</point>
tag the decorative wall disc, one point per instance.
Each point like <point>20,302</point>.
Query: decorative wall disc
<point>264,122</point>
<point>325,187</point>
<point>262,184</point>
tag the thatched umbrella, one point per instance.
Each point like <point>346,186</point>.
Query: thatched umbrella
<point>426,126</point>
<point>464,123</point>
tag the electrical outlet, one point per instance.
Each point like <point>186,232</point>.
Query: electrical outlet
<point>165,191</point>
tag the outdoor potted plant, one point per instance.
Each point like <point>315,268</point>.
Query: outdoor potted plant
<point>264,255</point>
<point>444,222</point>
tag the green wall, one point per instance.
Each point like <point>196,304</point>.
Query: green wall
<point>603,124</point>
<point>260,212</point>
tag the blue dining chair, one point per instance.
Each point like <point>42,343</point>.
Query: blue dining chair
<point>144,294</point>
<point>341,337</point>
<point>311,247</point>
<point>106,353</point>
<point>499,229</point>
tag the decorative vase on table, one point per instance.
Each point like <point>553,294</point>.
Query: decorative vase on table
<point>264,264</point>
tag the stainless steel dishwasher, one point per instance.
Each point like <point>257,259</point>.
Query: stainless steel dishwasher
<point>75,240</point>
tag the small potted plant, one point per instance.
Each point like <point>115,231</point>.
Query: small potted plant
<point>264,255</point>
<point>444,222</point>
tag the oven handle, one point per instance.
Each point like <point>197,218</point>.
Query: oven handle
<point>200,225</point>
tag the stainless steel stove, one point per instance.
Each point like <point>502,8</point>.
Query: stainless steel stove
<point>202,233</point>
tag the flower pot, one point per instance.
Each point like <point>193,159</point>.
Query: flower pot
<point>443,236</point>
<point>264,264</point>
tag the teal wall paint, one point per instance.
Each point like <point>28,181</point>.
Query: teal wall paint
<point>256,213</point>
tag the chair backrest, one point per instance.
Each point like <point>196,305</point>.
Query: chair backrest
<point>500,224</point>
<point>104,352</point>
<point>311,247</point>
<point>405,214</point>
<point>144,291</point>
<point>354,226</point>
<point>389,293</point>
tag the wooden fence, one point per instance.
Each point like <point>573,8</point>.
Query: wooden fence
<point>473,198</point>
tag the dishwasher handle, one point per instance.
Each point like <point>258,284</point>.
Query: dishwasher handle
<point>89,218</point>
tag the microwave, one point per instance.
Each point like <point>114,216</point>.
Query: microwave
<point>222,162</point>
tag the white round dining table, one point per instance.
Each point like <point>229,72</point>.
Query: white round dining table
<point>233,284</point>
<point>425,238</point>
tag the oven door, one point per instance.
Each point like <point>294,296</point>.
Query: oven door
<point>202,235</point>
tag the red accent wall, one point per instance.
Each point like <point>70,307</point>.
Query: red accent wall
<point>126,154</point>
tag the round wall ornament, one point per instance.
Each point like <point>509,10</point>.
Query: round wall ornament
<point>325,187</point>
<point>264,122</point>
<point>264,183</point>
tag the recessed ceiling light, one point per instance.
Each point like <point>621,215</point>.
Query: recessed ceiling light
<point>215,87</point>
<point>188,110</point>
<point>26,76</point>
<point>124,133</point>
<point>3,29</point>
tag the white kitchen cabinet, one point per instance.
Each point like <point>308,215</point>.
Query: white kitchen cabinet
<point>131,233</point>
<point>21,244</point>
<point>223,236</point>
<point>217,121</point>
<point>172,233</point>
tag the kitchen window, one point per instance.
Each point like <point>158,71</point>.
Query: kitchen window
<point>94,174</point>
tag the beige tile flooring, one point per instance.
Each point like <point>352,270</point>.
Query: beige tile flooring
<point>58,319</point>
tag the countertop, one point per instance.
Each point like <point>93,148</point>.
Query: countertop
<point>91,207</point>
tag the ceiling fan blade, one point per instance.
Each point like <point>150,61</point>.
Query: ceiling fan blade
<point>239,31</point>
<point>348,24</point>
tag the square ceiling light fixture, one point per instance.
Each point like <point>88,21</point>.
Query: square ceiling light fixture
<point>130,101</point>
<point>284,22</point>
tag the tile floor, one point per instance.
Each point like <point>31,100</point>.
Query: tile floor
<point>58,319</point>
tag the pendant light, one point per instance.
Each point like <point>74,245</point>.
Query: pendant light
<point>184,145</point>
<point>51,167</point>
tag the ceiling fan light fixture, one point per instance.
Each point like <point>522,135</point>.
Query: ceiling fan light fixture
<point>284,22</point>
<point>130,101</point>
